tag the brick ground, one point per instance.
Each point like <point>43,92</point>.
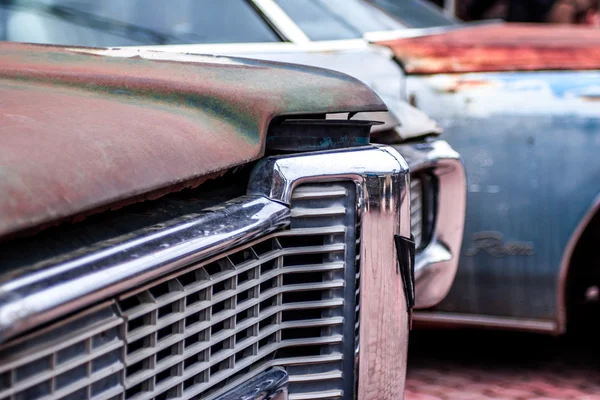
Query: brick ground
<point>471,364</point>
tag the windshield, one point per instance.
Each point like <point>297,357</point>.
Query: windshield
<point>351,19</point>
<point>337,19</point>
<point>415,13</point>
<point>106,23</point>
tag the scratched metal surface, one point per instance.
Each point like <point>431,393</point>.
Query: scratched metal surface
<point>500,47</point>
<point>530,142</point>
<point>83,132</point>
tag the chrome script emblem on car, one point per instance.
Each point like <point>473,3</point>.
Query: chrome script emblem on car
<point>493,243</point>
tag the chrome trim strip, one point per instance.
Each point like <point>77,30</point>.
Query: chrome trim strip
<point>282,22</point>
<point>565,264</point>
<point>270,385</point>
<point>437,263</point>
<point>39,297</point>
<point>381,178</point>
<point>422,318</point>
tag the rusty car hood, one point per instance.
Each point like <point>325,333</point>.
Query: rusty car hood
<point>497,47</point>
<point>373,65</point>
<point>82,132</point>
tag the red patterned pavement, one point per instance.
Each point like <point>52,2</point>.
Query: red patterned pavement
<point>471,364</point>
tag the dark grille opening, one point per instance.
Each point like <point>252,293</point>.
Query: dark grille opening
<point>194,318</point>
<point>137,367</point>
<point>266,304</point>
<point>218,347</point>
<point>160,290</point>
<point>244,334</point>
<point>104,337</point>
<point>166,332</point>
<point>196,297</point>
<point>166,310</point>
<point>62,356</point>
<point>196,338</point>
<point>195,359</point>
<point>300,315</point>
<point>5,380</point>
<point>268,266</point>
<point>188,279</point>
<point>265,247</point>
<point>135,390</point>
<point>297,297</point>
<point>244,315</point>
<point>241,355</point>
<point>71,376</point>
<point>77,395</point>
<point>166,374</point>
<point>222,286</point>
<point>137,323</point>
<point>213,268</point>
<point>105,384</point>
<point>247,276</point>
<point>31,369</point>
<point>138,345</point>
<point>272,320</point>
<point>241,256</point>
<point>219,326</point>
<point>129,303</point>
<point>245,295</point>
<point>222,366</point>
<point>169,394</point>
<point>272,338</point>
<point>298,351</point>
<point>267,285</point>
<point>105,361</point>
<point>300,333</point>
<point>166,353</point>
<point>220,306</point>
<point>302,259</point>
<point>293,279</point>
<point>301,241</point>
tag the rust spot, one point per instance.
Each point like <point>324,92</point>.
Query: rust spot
<point>502,47</point>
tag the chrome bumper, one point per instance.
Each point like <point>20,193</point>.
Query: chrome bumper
<point>436,261</point>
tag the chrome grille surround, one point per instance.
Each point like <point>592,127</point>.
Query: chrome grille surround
<point>383,211</point>
<point>444,197</point>
<point>148,325</point>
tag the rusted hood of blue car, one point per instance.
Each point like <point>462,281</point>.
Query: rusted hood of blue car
<point>499,47</point>
<point>82,132</point>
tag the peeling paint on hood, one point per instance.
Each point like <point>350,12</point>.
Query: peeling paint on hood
<point>83,132</point>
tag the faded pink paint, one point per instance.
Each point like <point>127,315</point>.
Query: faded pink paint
<point>500,47</point>
<point>81,133</point>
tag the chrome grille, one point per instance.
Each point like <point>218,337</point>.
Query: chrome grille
<point>282,300</point>
<point>278,302</point>
<point>78,359</point>
<point>416,210</point>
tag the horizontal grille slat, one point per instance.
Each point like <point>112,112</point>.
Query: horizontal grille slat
<point>316,377</point>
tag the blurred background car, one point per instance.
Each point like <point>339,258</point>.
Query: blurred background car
<point>289,31</point>
<point>517,101</point>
